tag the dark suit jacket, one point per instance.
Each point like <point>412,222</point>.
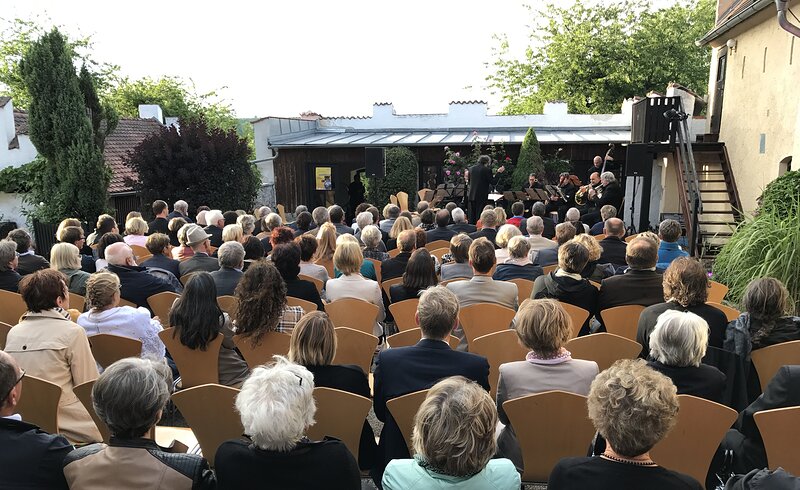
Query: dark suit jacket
<point>613,251</point>
<point>198,262</point>
<point>635,287</point>
<point>398,293</point>
<point>546,256</point>
<point>158,225</point>
<point>703,381</point>
<point>31,457</point>
<point>506,272</point>
<point>216,235</point>
<point>342,229</point>
<point>404,370</point>
<point>9,280</point>
<point>613,195</point>
<point>480,179</point>
<point>163,262</point>
<point>226,280</point>
<point>298,288</point>
<point>88,264</point>
<point>138,284</point>
<point>176,214</point>
<point>489,233</point>
<point>439,233</point>
<point>717,322</point>
<point>462,228</point>
<point>549,227</point>
<point>28,264</point>
<point>394,267</point>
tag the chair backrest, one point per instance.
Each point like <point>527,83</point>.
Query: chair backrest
<point>282,212</point>
<point>271,344</point>
<point>402,200</point>
<point>768,360</point>
<point>328,265</point>
<point>377,265</point>
<point>601,236</point>
<point>39,403</point>
<point>229,304</point>
<point>498,348</point>
<point>142,258</point>
<point>780,431</point>
<point>394,252</point>
<point>12,307</point>
<point>125,302</point>
<point>437,244</point>
<point>393,199</point>
<point>185,278</point>
<point>524,289</point>
<point>629,238</point>
<point>484,318</point>
<point>716,291</point>
<point>387,284</point>
<point>549,426</point>
<point>317,283</point>
<point>354,347</point>
<point>209,411</point>
<point>577,316</point>
<point>455,279</point>
<point>440,252</point>
<point>84,393</point>
<point>77,302</point>
<point>197,367</point>
<point>140,251</point>
<point>403,409</point>
<point>161,303</point>
<point>4,329</point>
<point>354,313</point>
<point>603,348</point>
<point>622,320</point>
<point>339,414</point>
<point>690,445</point>
<point>549,268</point>
<point>108,349</point>
<point>403,313</point>
<point>730,313</point>
<point>410,337</point>
<point>304,304</point>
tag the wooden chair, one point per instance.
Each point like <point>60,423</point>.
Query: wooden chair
<point>319,284</point>
<point>12,307</point>
<point>577,315</point>
<point>549,426</point>
<point>498,348</point>
<point>209,411</point>
<point>377,265</point>
<point>38,404</point>
<point>197,367</point>
<point>402,200</point>
<point>394,253</point>
<point>4,329</point>
<point>437,244</point>
<point>339,414</point>
<point>125,302</point>
<point>716,291</point>
<point>601,236</point>
<point>229,304</point>
<point>426,194</point>
<point>355,347</point>
<point>77,302</point>
<point>440,252</point>
<point>84,393</point>
<point>271,344</point>
<point>403,313</point>
<point>730,313</point>
<point>780,430</point>
<point>408,338</point>
<point>282,212</point>
<point>455,279</point>
<point>142,258</point>
<point>622,320</point>
<point>484,318</point>
<point>629,238</point>
<point>387,284</point>
<point>549,268</point>
<point>393,199</point>
<point>161,304</point>
<point>524,289</point>
<point>307,306</point>
<point>211,250</point>
<point>690,445</point>
<point>403,409</point>
<point>328,265</point>
<point>140,251</point>
<point>185,278</point>
<point>603,348</point>
<point>108,349</point>
<point>768,360</point>
<point>354,313</point>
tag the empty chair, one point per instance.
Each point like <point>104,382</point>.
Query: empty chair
<point>354,347</point>
<point>436,244</point>
<point>108,349</point>
<point>716,291</point>
<point>403,409</point>
<point>577,315</point>
<point>498,348</point>
<point>161,303</point>
<point>38,404</point>
<point>407,338</point>
<point>403,313</point>
<point>484,318</point>
<point>270,344</point>
<point>84,393</point>
<point>768,360</point>
<point>780,431</point>
<point>622,320</point>
<point>341,415</point>
<point>524,289</point>
<point>603,348</point>
<point>196,366</point>
<point>354,313</point>
<point>11,307</point>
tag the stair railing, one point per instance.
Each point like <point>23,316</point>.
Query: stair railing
<point>691,201</point>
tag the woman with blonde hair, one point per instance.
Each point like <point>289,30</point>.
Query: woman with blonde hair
<point>182,251</point>
<point>351,284</point>
<point>400,225</point>
<point>593,271</point>
<point>518,265</point>
<point>232,233</point>
<point>66,259</point>
<point>135,231</point>
<point>326,243</point>
<point>367,267</point>
<point>501,216</point>
<point>543,327</point>
<point>454,443</point>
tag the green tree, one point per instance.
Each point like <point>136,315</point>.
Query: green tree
<point>401,175</point>
<point>74,178</point>
<point>595,55</point>
<point>530,160</point>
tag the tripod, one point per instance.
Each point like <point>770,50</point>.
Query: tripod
<point>631,230</point>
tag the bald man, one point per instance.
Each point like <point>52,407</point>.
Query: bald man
<point>30,457</point>
<point>137,282</point>
<point>640,284</point>
<point>614,245</point>
<point>597,166</point>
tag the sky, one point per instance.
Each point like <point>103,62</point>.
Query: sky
<point>281,58</point>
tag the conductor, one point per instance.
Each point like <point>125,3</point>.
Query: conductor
<point>480,179</point>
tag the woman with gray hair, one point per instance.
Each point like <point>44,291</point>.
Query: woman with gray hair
<point>504,235</point>
<point>374,248</point>
<point>454,443</point>
<point>518,265</point>
<point>633,407</point>
<point>130,397</point>
<point>677,346</point>
<point>248,224</point>
<point>9,277</point>
<point>276,405</point>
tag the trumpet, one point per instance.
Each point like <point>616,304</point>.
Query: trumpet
<point>580,194</point>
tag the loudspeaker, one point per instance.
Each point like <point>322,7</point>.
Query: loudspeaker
<point>375,162</point>
<point>639,160</point>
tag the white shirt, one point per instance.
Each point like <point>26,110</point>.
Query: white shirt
<point>125,321</point>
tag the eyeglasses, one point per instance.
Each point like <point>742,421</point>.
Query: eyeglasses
<point>12,386</point>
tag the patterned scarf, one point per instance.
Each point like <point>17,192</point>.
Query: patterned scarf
<point>563,355</point>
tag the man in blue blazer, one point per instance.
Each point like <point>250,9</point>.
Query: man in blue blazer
<point>408,369</point>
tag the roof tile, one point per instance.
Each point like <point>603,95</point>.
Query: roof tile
<point>128,134</point>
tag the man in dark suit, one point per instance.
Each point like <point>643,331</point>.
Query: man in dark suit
<point>158,245</point>
<point>31,457</point>
<point>460,224</point>
<point>216,222</point>
<point>180,210</point>
<point>441,232</point>
<point>488,224</point>
<point>549,227</point>
<point>613,244</point>
<point>480,179</point>
<point>606,212</point>
<point>336,214</point>
<point>231,263</point>
<point>396,266</point>
<point>640,284</point>
<point>29,262</point>
<point>610,192</point>
<point>549,256</point>
<point>160,224</point>
<point>405,370</point>
<point>136,283</point>
<point>198,240</point>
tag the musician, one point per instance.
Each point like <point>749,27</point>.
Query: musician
<point>559,203</point>
<point>532,183</point>
<point>582,200</point>
<point>609,192</point>
<point>480,180</point>
<point>597,166</point>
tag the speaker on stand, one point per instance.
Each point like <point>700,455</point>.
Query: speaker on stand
<point>375,162</point>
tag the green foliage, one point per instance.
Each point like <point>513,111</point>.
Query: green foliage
<point>21,179</point>
<point>401,175</point>
<point>776,198</point>
<point>103,117</point>
<point>456,164</point>
<point>594,55</point>
<point>554,165</point>
<point>530,160</point>
<point>200,164</point>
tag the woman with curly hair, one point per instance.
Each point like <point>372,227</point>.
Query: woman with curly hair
<point>400,225</point>
<point>262,304</point>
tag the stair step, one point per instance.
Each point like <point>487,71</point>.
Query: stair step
<point>716,201</point>
<point>713,190</point>
<point>718,212</point>
<point>719,223</point>
<point>712,234</point>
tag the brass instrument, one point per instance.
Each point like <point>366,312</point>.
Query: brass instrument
<point>581,194</point>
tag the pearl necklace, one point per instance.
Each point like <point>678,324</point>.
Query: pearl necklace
<point>647,462</point>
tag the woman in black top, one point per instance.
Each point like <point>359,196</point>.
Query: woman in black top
<point>420,274</point>
<point>313,345</point>
<point>286,258</point>
<point>633,407</point>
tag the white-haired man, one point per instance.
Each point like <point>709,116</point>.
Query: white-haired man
<point>609,193</point>
<point>216,222</point>
<point>460,224</point>
<point>180,210</point>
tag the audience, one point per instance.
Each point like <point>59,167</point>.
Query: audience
<point>367,267</point>
<point>400,225</point>
<point>504,234</point>
<point>518,265</point>
<point>606,212</point>
<point>180,210</point>
<point>420,274</point>
<point>488,227</point>
<point>549,256</point>
<point>441,230</point>
<point>248,224</point>
<point>544,328</point>
<point>426,220</point>
<point>549,227</point>
<point>500,213</point>
<point>336,215</point>
<point>594,271</point>
<point>200,219</point>
<point>182,251</point>
<point>105,241</point>
<point>29,262</point>
<point>130,397</point>
<point>253,250</point>
<point>669,231</point>
<point>216,222</point>
<point>105,224</point>
<point>640,284</point>
<point>159,246</point>
<point>518,214</point>
<point>9,278</point>
<point>351,284</point>
<point>460,224</point>
<point>135,231</point>
<point>320,215</point>
<point>633,407</point>
<point>269,223</point>
<point>308,248</point>
<point>613,244</point>
<point>390,212</point>
<point>459,254</point>
<point>232,233</point>
<point>75,236</point>
<point>304,224</point>
<point>200,242</point>
<point>65,258</point>
<point>286,258</point>
<point>574,216</point>
<point>535,227</point>
<point>454,443</point>
<point>160,224</point>
<point>396,266</point>
<point>370,235</point>
<point>47,345</point>
<point>262,307</point>
<point>137,283</point>
<point>231,262</point>
<point>326,244</point>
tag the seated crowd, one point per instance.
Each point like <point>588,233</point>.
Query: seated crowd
<point>462,437</point>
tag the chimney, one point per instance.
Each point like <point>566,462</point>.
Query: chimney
<point>467,111</point>
<point>7,126</point>
<point>383,111</point>
<point>151,111</point>
<point>555,108</point>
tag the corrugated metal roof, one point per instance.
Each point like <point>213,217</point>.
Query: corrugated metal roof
<point>322,138</point>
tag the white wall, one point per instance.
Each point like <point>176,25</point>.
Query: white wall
<point>11,208</point>
<point>25,151</point>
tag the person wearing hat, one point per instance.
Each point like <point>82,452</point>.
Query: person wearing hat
<point>198,240</point>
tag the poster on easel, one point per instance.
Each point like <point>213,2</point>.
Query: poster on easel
<point>322,178</point>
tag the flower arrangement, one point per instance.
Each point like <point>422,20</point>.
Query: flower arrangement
<point>456,164</point>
